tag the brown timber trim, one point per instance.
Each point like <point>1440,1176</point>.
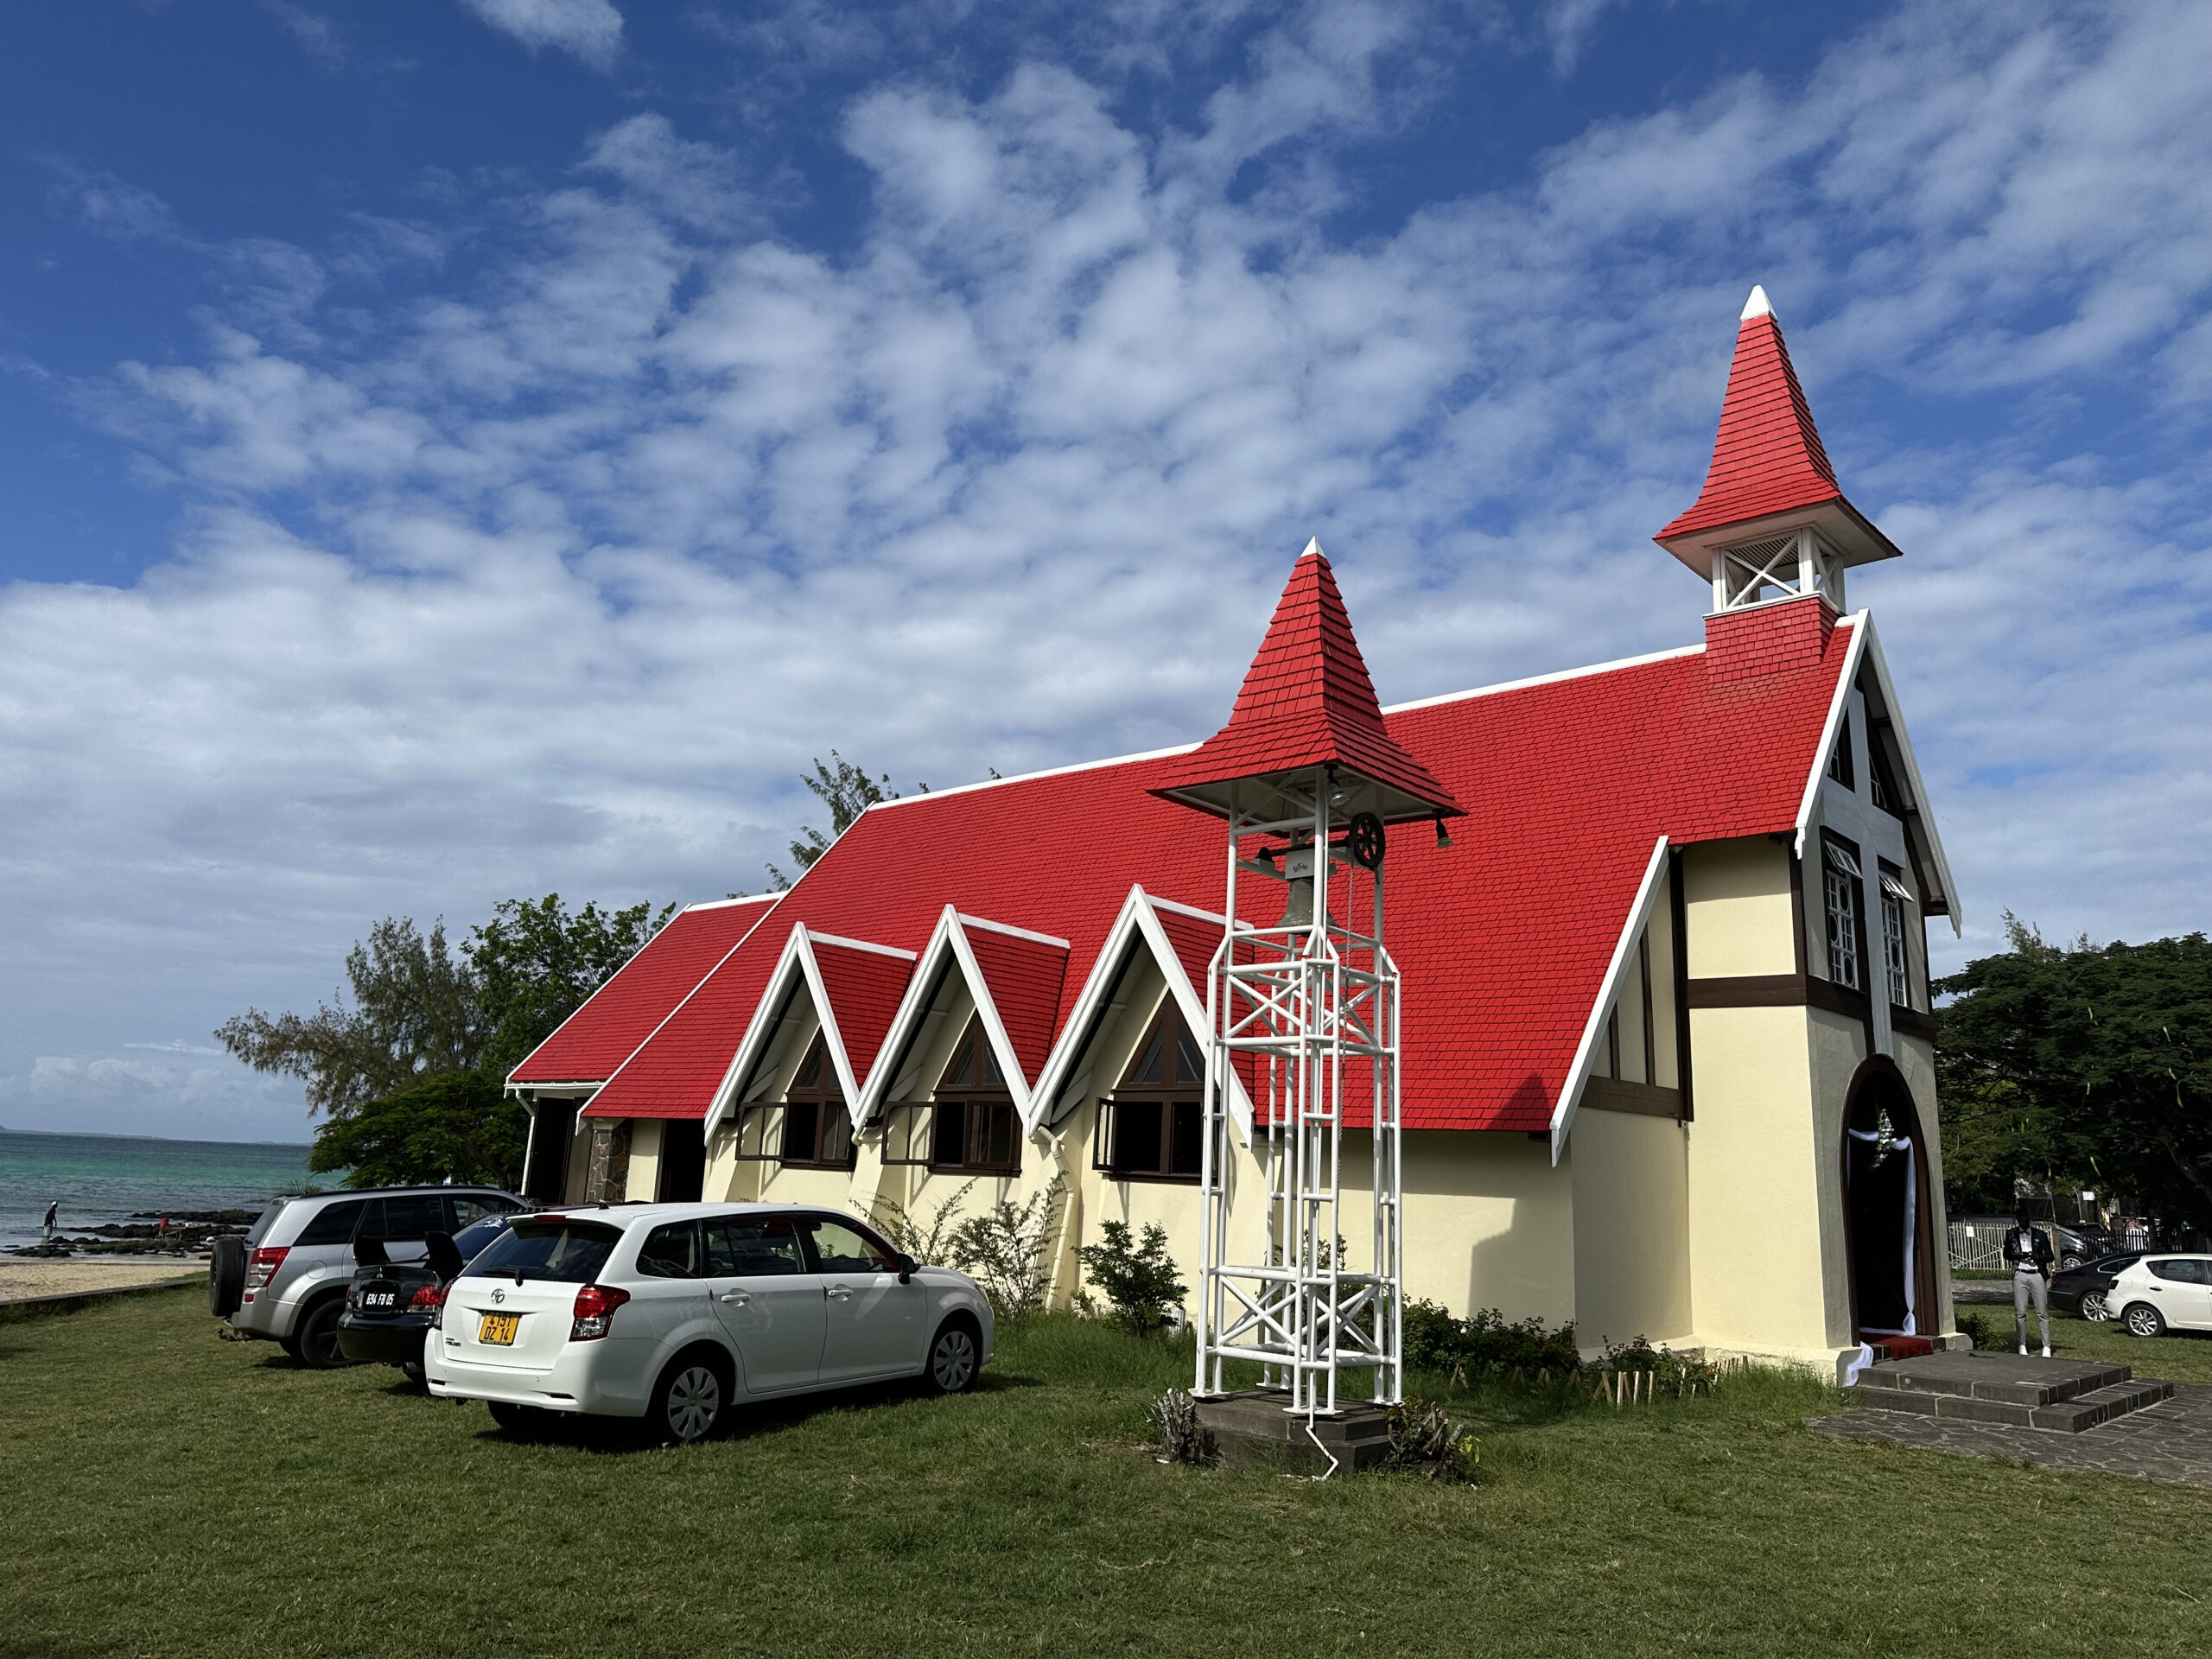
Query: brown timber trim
<point>1777,991</point>
<point>1911,1022</point>
<point>1841,998</point>
<point>1678,900</point>
<point>1617,1095</point>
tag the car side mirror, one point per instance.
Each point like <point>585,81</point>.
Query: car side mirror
<point>907,1268</point>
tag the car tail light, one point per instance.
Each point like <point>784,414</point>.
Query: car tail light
<point>262,1267</point>
<point>594,1312</point>
<point>428,1296</point>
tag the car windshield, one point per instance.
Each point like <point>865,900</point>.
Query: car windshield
<point>550,1247</point>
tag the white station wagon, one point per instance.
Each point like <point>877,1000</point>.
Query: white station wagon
<point>675,1312</point>
<point>2161,1292</point>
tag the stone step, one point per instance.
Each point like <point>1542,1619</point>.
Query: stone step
<point>2025,1380</point>
<point>2070,1415</point>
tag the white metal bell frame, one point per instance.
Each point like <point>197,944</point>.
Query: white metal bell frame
<point>1311,1011</point>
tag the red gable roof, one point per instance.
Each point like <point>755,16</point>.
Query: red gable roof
<point>1025,978</point>
<point>1503,938</point>
<point>1768,457</point>
<point>1306,702</point>
<point>593,1042</point>
<point>863,988</point>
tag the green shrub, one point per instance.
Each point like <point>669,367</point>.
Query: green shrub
<point>1136,1276</point>
<point>1486,1342</point>
<point>1423,1440</point>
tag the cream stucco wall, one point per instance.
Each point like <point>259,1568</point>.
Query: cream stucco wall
<point>1631,1255</point>
<point>1741,915</point>
<point>644,1180</point>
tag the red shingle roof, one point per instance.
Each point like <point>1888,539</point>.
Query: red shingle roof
<point>1768,457</point>
<point>863,988</point>
<point>594,1040</point>
<point>1306,702</point>
<point>1025,978</point>
<point>1503,938</point>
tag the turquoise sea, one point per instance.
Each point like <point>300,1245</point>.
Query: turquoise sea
<point>102,1177</point>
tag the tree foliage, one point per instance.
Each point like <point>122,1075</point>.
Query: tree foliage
<point>535,964</point>
<point>2096,1060</point>
<point>414,1014</point>
<point>409,1078</point>
<point>459,1126</point>
<point>848,791</point>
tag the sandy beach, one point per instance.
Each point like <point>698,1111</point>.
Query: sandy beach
<point>29,1276</point>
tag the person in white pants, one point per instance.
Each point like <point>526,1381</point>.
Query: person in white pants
<point>2028,1252</point>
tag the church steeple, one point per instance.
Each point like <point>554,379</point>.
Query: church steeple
<point>1771,522</point>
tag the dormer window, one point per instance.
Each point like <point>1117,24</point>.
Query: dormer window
<point>1840,881</point>
<point>973,1129</point>
<point>1151,1126</point>
<point>816,1127</point>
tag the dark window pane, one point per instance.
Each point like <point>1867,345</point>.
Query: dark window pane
<point>809,1070</point>
<point>1192,1062</point>
<point>671,1252</point>
<point>744,1248</point>
<point>992,1077</point>
<point>997,1149</point>
<point>410,1218</point>
<point>1136,1135</point>
<point>1183,1155</point>
<point>1147,1065</point>
<point>949,1132</point>
<point>837,1134</point>
<point>469,1208</point>
<point>334,1224</point>
<point>570,1252</point>
<point>802,1123</point>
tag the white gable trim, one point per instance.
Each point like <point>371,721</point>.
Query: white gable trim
<point>797,961</point>
<point>950,938</point>
<point>1839,705</point>
<point>1639,913</point>
<point>1920,808</point>
<point>1138,919</point>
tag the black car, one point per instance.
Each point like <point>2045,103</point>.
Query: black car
<point>2082,1289</point>
<point>399,1285</point>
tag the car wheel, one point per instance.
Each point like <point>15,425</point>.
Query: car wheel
<point>2095,1308</point>
<point>690,1399</point>
<point>2069,1262</point>
<point>955,1358</point>
<point>410,1371</point>
<point>2143,1320</point>
<point>315,1341</point>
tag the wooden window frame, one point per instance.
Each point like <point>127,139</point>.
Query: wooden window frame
<point>823,1096</point>
<point>1837,880</point>
<point>1172,1096</point>
<point>980,1103</point>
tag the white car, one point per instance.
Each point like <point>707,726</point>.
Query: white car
<point>673,1313</point>
<point>2162,1293</point>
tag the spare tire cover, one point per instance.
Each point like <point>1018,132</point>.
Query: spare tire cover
<point>226,1276</point>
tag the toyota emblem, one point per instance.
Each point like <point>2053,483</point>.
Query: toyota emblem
<point>499,1295</point>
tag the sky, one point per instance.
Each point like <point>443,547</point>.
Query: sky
<point>460,449</point>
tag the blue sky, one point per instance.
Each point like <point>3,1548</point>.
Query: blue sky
<point>465,448</point>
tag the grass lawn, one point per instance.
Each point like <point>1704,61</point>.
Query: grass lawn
<point>2178,1357</point>
<point>164,1493</point>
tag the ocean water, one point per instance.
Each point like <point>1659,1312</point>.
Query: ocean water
<point>101,1178</point>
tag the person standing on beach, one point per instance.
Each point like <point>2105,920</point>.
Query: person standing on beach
<point>46,1235</point>
<point>2028,1252</point>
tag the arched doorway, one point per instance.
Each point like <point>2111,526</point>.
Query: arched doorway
<point>1888,1231</point>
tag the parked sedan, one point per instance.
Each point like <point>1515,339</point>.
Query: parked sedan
<point>2083,1290</point>
<point>2163,1292</point>
<point>673,1313</point>
<point>396,1289</point>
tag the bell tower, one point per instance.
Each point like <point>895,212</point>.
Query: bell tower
<point>1771,525</point>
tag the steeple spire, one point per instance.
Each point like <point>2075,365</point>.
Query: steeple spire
<point>1307,701</point>
<point>1771,516</point>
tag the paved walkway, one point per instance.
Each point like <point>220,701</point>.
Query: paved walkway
<point>2171,1440</point>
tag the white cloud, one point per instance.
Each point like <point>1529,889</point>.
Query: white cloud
<point>557,579</point>
<point>591,30</point>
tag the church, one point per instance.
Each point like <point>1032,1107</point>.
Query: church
<point>1667,1058</point>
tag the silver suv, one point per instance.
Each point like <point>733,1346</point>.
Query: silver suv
<point>285,1280</point>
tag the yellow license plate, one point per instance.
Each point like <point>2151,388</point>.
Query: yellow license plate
<point>497,1329</point>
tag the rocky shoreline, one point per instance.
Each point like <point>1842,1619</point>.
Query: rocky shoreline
<point>178,1233</point>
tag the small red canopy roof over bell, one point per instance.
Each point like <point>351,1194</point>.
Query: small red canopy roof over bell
<point>1768,459</point>
<point>1306,702</point>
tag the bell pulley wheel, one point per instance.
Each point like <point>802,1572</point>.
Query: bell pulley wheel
<point>1363,837</point>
